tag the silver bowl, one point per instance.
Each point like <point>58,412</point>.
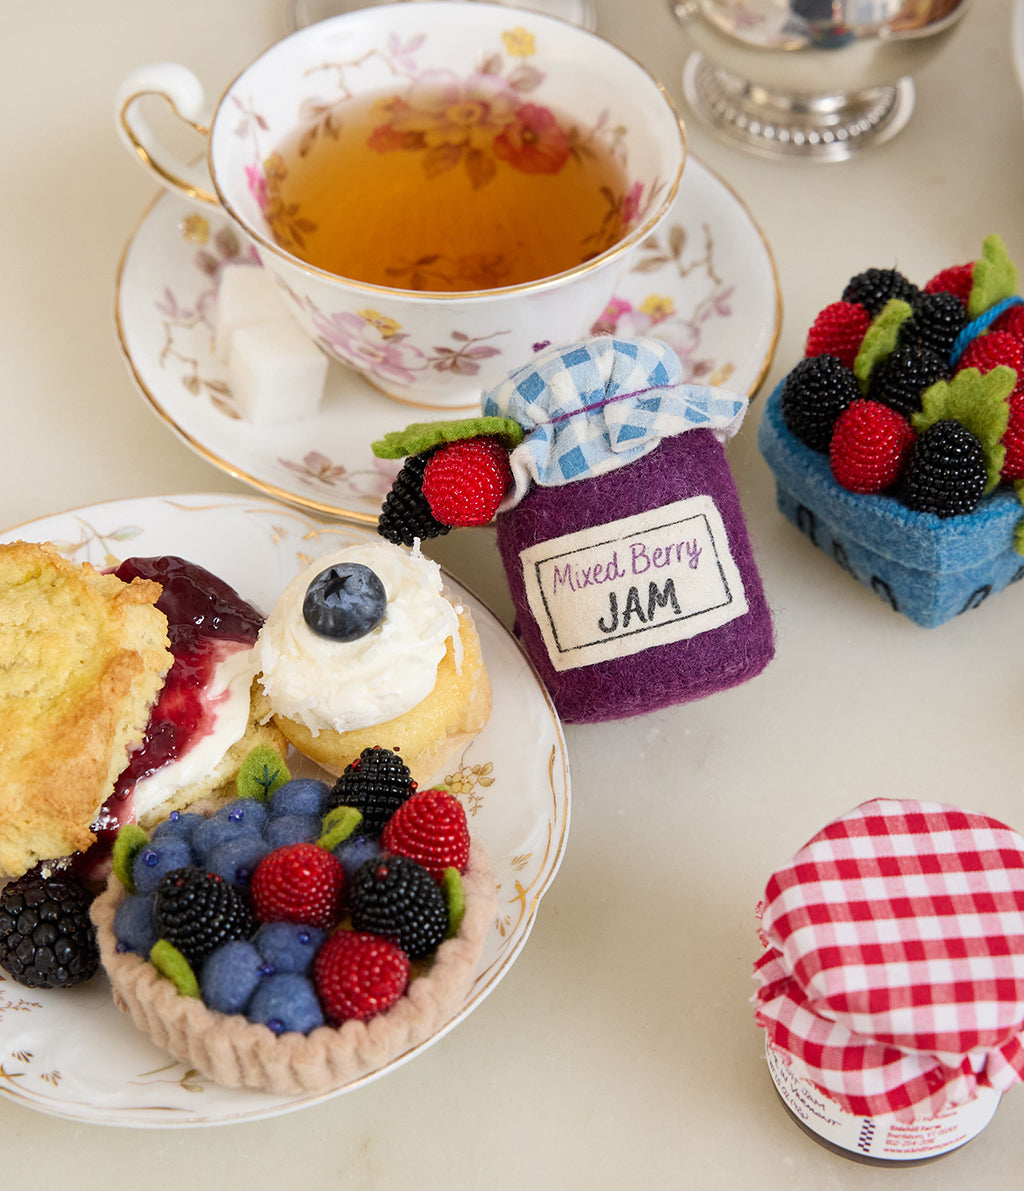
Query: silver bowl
<point>819,79</point>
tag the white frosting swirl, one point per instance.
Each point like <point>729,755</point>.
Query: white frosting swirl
<point>341,685</point>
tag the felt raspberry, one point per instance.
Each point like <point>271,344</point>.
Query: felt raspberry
<point>956,280</point>
<point>397,898</point>
<point>870,446</point>
<point>464,481</point>
<point>1013,440</point>
<point>947,472</point>
<point>838,331</point>
<point>358,975</point>
<point>300,883</point>
<point>987,351</point>
<point>1011,321</point>
<point>814,394</point>
<point>376,783</point>
<point>431,829</point>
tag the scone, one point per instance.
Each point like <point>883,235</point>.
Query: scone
<point>123,695</point>
<point>410,677</point>
<point>82,659</point>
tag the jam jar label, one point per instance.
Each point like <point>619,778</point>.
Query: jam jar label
<point>617,589</point>
<point>884,1138</point>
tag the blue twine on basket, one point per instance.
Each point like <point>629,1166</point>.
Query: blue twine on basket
<point>981,323</point>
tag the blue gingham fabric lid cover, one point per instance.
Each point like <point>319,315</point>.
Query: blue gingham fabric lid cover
<point>597,405</point>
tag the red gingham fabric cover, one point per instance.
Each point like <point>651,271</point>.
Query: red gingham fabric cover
<point>893,970</point>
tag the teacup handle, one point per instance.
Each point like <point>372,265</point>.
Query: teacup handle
<point>183,91</point>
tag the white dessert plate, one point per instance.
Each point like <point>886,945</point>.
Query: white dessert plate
<point>705,282</point>
<point>71,1053</point>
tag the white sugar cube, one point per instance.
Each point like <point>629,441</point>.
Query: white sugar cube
<point>277,373</point>
<point>247,294</point>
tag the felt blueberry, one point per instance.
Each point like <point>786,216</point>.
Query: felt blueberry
<point>344,602</point>
<point>300,796</point>
<point>133,924</point>
<point>230,975</point>
<point>353,851</point>
<point>244,812</point>
<point>179,824</point>
<point>156,858</point>
<point>235,859</point>
<point>288,946</point>
<point>220,830</point>
<point>285,1003</point>
<point>292,829</point>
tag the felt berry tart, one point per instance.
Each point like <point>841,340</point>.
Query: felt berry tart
<point>897,442</point>
<point>275,943</point>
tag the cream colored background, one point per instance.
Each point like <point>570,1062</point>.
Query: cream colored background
<point>620,1052</point>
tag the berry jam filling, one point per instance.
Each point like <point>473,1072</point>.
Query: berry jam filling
<point>206,621</point>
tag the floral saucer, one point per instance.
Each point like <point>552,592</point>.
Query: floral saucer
<point>705,274</point>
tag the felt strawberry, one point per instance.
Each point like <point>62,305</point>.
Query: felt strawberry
<point>956,280</point>
<point>298,883</point>
<point>464,481</point>
<point>430,828</point>
<point>1013,440</point>
<point>870,446</point>
<point>358,975</point>
<point>838,331</point>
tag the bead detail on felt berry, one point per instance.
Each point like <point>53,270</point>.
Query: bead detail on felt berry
<point>464,482</point>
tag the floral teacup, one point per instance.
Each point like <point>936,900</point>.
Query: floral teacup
<point>503,71</point>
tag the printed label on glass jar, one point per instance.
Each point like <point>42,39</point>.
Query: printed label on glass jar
<point>879,1137</point>
<point>612,590</point>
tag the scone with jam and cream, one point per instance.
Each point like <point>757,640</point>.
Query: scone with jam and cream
<point>123,695</point>
<point>364,648</point>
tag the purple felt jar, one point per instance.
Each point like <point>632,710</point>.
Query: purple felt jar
<point>637,589</point>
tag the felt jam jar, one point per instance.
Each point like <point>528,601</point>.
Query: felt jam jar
<point>624,541</point>
<point>891,984</point>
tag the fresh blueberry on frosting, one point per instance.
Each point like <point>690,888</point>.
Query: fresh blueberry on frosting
<point>345,602</point>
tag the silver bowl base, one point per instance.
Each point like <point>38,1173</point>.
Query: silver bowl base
<point>781,124</point>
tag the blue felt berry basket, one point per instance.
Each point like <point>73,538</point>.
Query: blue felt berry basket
<point>929,568</point>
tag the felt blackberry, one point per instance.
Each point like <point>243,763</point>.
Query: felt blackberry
<point>46,937</point>
<point>406,514</point>
<point>935,323</point>
<point>874,287</point>
<point>376,783</point>
<point>814,394</point>
<point>198,911</point>
<point>901,378</point>
<point>947,472</point>
<point>396,898</point>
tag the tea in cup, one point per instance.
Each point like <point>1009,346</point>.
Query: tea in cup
<point>435,187</point>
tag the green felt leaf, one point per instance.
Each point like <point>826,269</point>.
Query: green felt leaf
<point>338,824</point>
<point>455,898</point>
<point>880,339</point>
<point>978,401</point>
<point>421,436</point>
<point>261,773</point>
<point>994,277</point>
<point>173,966</point>
<point>130,839</point>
